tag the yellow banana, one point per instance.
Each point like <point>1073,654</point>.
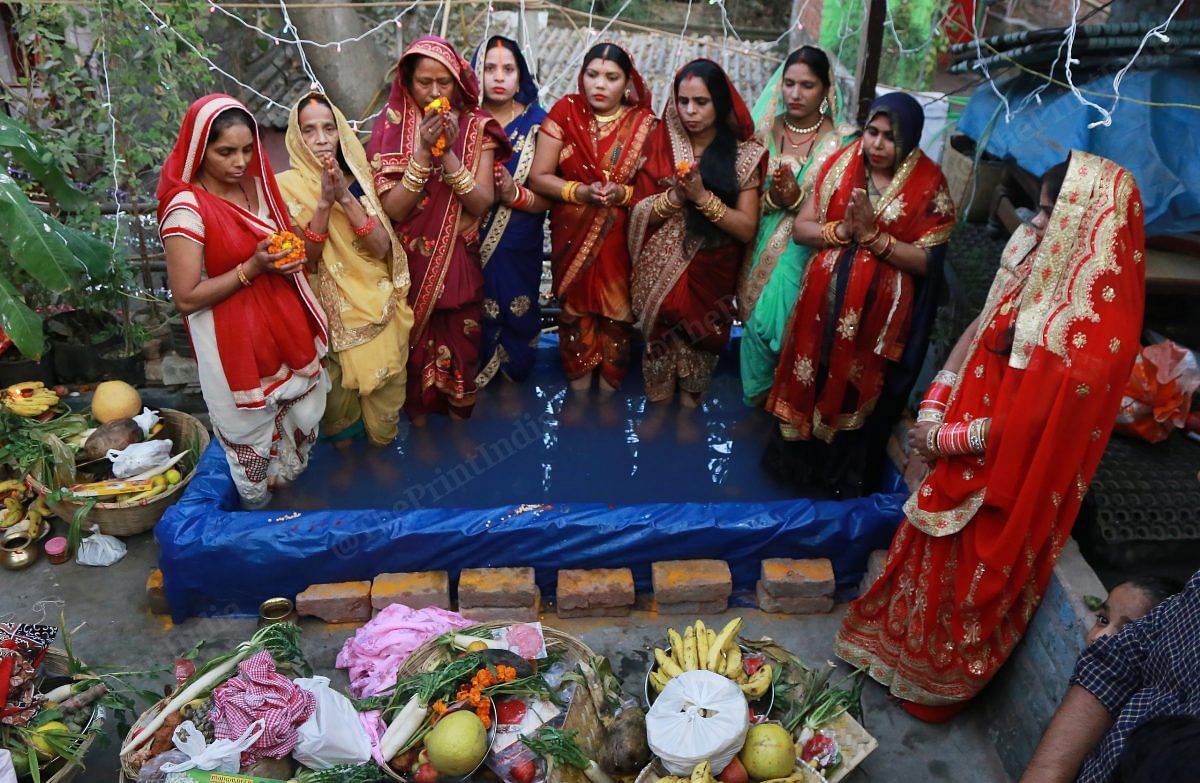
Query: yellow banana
<point>727,633</point>
<point>11,485</point>
<point>658,681</point>
<point>9,518</point>
<point>796,777</point>
<point>757,685</point>
<point>666,664</point>
<point>676,645</point>
<point>702,773</point>
<point>701,645</point>
<point>41,507</point>
<point>155,490</point>
<point>689,649</point>
<point>733,663</point>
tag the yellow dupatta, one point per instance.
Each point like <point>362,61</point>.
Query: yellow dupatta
<point>364,298</point>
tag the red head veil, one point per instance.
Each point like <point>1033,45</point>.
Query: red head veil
<point>638,93</point>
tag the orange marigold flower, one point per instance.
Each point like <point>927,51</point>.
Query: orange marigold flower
<point>439,706</point>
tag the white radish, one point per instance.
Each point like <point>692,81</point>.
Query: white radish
<point>595,774</point>
<point>402,728</point>
<point>60,693</point>
<point>201,685</point>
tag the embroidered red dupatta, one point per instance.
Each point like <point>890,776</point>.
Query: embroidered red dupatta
<point>678,283</point>
<point>431,233</point>
<point>589,259</point>
<point>269,330</point>
<point>870,325</point>
<point>970,565</point>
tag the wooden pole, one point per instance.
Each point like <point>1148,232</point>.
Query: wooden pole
<point>870,48</point>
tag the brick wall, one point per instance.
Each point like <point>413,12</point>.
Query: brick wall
<point>1024,695</point>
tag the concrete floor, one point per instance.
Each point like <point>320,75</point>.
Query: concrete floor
<point>116,628</point>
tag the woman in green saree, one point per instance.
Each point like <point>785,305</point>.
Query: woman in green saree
<point>796,120</point>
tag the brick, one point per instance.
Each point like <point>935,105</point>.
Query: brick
<point>153,371</point>
<point>529,613</point>
<point>415,589</point>
<point>480,587</point>
<point>875,564</point>
<point>595,611</point>
<point>340,602</point>
<point>694,607</point>
<point>178,371</point>
<point>594,588</point>
<point>799,604</point>
<point>691,581</point>
<point>155,595</point>
<point>152,349</point>
<point>785,578</point>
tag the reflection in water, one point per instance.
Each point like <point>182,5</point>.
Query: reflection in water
<point>537,443</point>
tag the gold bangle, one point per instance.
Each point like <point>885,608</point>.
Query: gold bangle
<point>461,182</point>
<point>412,184</point>
<point>829,234</point>
<point>770,202</point>
<point>890,248</point>
<point>569,187</point>
<point>628,197</point>
<point>871,239</point>
<point>795,205</point>
<point>664,207</point>
<point>713,208</point>
<point>421,171</point>
<point>245,281</point>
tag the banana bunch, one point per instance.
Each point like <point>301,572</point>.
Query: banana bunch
<point>701,774</point>
<point>30,398</point>
<point>699,648</point>
<point>15,516</point>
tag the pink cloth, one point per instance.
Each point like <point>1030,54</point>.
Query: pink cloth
<point>374,654</point>
<point>259,692</point>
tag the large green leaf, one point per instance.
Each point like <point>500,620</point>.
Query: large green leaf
<point>20,323</point>
<point>30,155</point>
<point>38,243</point>
<point>95,255</point>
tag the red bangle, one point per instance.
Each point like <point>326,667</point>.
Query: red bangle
<point>952,438</point>
<point>313,236</point>
<point>365,228</point>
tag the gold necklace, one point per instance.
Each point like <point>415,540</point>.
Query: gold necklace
<point>604,119</point>
<point>803,131</point>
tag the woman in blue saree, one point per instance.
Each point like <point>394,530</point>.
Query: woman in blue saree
<point>512,233</point>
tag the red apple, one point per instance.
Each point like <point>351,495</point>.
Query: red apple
<point>734,772</point>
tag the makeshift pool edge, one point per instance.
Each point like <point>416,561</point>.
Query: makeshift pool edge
<point>219,560</point>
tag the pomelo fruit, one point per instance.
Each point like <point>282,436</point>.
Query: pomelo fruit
<point>115,400</point>
<point>769,752</point>
<point>457,743</point>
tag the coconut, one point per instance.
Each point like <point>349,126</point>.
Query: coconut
<point>115,400</point>
<point>769,752</point>
<point>457,743</point>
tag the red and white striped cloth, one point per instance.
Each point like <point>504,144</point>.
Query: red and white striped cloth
<point>258,692</point>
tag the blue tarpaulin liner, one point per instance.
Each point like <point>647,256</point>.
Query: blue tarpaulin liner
<point>1157,144</point>
<point>538,477</point>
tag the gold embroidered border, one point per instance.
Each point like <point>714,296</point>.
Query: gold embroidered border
<point>499,225</point>
<point>942,523</point>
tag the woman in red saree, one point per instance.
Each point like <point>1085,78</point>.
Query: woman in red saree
<point>258,332</point>
<point>697,209</point>
<point>442,160</point>
<point>879,216</point>
<point>1015,426</point>
<point>588,153</point>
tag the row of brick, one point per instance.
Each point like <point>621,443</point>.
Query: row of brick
<point>690,587</point>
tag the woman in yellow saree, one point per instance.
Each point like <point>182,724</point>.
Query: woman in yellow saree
<point>362,273</point>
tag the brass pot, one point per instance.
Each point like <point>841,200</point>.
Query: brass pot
<point>276,610</point>
<point>18,551</point>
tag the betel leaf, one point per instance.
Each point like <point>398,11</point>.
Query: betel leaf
<point>19,322</point>
<point>29,154</point>
<point>37,241</point>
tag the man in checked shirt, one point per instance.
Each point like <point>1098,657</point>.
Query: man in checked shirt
<point>1150,669</point>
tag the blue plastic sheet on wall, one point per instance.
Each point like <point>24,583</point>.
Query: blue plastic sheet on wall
<point>217,560</point>
<point>1156,143</point>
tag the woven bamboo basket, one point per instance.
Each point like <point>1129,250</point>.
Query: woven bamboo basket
<point>128,771</point>
<point>582,715</point>
<point>56,663</point>
<point>130,519</point>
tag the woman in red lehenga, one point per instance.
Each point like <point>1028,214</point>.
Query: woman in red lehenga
<point>588,153</point>
<point>257,329</point>
<point>442,161</point>
<point>688,240</point>
<point>1015,426</point>
<point>879,217</point>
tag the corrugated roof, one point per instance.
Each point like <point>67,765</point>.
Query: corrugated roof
<point>276,71</point>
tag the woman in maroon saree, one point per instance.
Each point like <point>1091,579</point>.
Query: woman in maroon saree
<point>697,209</point>
<point>588,153</point>
<point>443,164</point>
